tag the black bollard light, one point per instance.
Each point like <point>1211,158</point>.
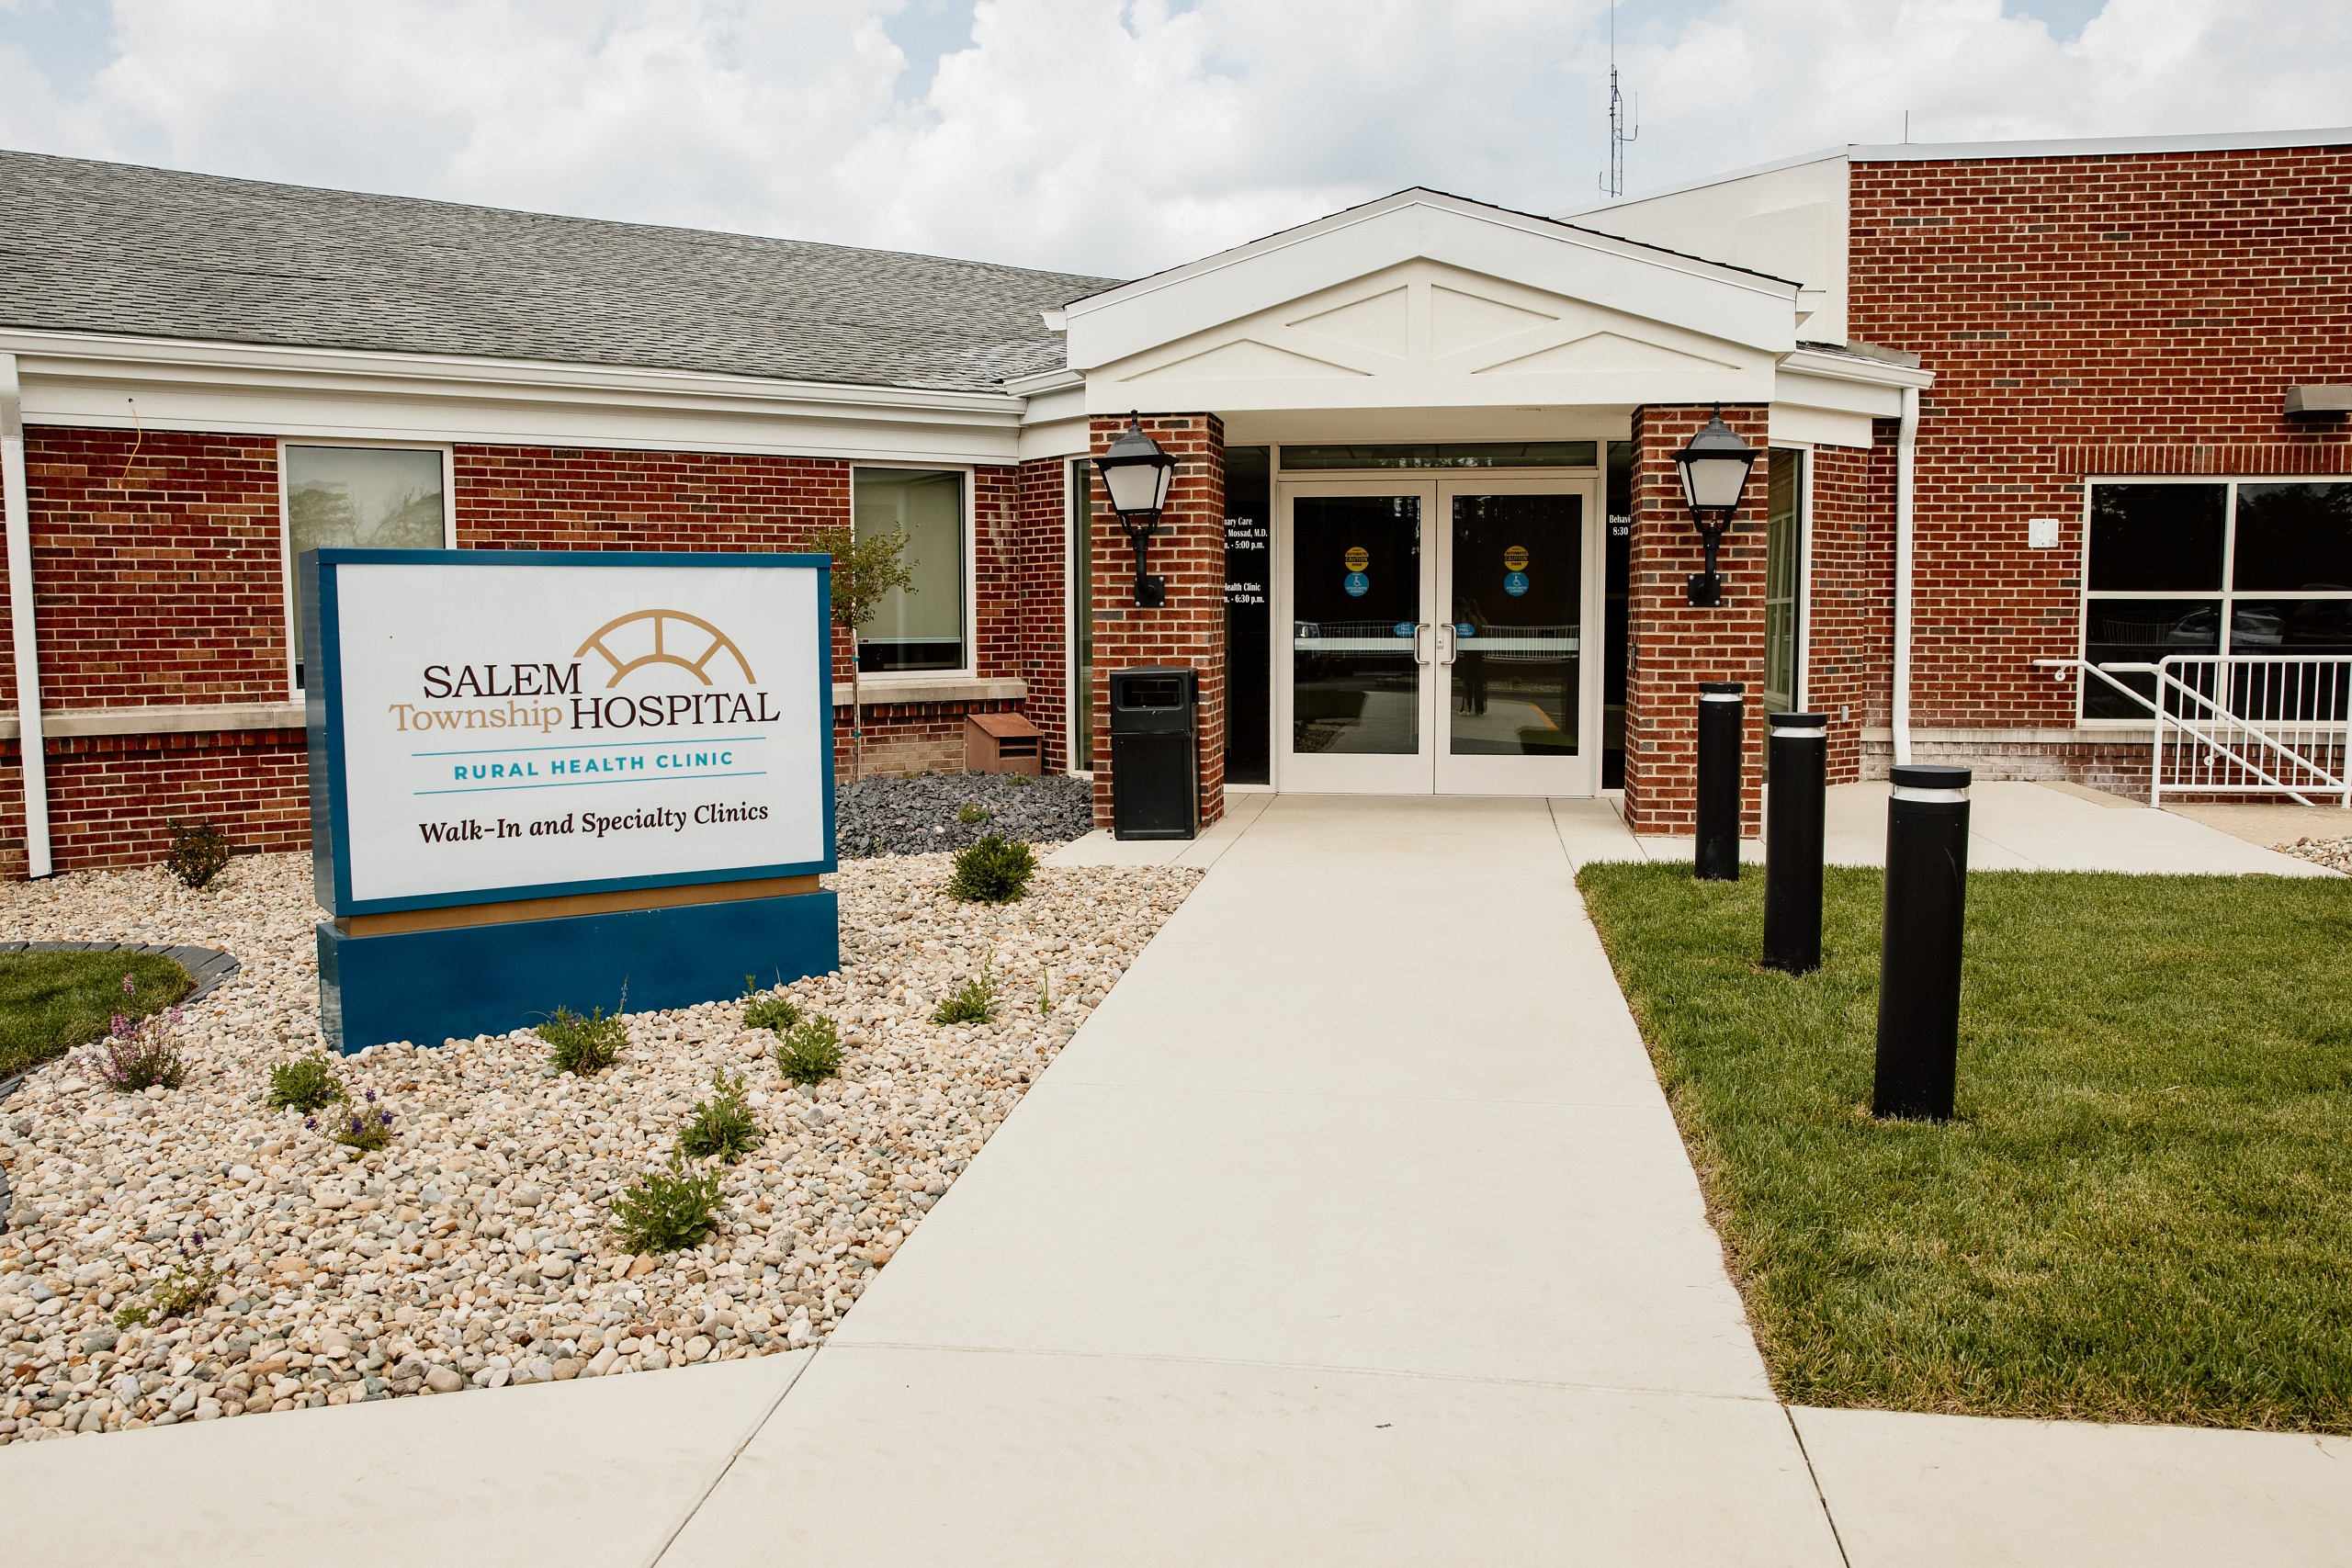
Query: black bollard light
<point>1919,971</point>
<point>1798,769</point>
<point>1721,713</point>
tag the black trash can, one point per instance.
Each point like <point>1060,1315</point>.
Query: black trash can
<point>1154,753</point>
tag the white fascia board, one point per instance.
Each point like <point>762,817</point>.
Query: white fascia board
<point>1704,384</point>
<point>84,379</point>
<point>1060,438</point>
<point>1066,400</point>
<point>2094,147</point>
<point>1788,425</point>
<point>1038,381</point>
<point>1855,369</point>
<point>1704,296</point>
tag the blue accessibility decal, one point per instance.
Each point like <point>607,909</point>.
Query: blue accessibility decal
<point>1514,583</point>
<point>1358,584</point>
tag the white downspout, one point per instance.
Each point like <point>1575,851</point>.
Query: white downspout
<point>20,616</point>
<point>1906,446</point>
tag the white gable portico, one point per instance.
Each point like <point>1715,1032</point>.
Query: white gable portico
<point>1425,316</point>
<point>1424,419</point>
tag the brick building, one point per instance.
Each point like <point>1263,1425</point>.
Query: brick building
<point>2084,398</point>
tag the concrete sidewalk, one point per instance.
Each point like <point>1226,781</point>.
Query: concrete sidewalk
<point>1352,1228</point>
<point>2012,826</point>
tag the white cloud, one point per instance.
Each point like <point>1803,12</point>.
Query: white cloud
<point>1093,136</point>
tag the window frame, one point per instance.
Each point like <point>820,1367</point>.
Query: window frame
<point>286,526</point>
<point>1801,590</point>
<point>1078,481</point>
<point>2227,593</point>
<point>970,615</point>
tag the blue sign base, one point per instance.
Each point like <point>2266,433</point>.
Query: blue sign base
<point>430,987</point>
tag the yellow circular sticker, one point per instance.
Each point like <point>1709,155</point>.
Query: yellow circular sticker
<point>1515,558</point>
<point>1358,557</point>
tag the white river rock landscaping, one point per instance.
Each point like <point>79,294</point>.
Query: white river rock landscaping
<point>478,1251</point>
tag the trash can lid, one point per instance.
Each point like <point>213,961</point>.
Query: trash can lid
<point>1930,775</point>
<point>1797,720</point>
<point>1723,688</point>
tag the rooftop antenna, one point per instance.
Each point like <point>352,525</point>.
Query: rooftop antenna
<point>1613,182</point>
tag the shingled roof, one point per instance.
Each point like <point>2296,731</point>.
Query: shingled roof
<point>114,248</point>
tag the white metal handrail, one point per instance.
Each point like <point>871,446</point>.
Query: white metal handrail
<point>2235,724</point>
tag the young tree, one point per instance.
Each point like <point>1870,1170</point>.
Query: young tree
<point>864,570</point>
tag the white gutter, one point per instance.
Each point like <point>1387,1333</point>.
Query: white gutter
<point>20,616</point>
<point>1905,456</point>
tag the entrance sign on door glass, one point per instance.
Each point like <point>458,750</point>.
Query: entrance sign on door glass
<point>1515,558</point>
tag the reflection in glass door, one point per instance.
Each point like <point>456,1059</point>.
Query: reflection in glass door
<point>1355,635</point>
<point>1511,647</point>
<point>1448,658</point>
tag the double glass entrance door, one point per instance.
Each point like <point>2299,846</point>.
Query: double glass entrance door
<point>1436,638</point>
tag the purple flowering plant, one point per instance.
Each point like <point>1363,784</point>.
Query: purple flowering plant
<point>137,1053</point>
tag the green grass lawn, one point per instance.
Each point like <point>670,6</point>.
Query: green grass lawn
<point>2143,1210</point>
<point>51,1002</point>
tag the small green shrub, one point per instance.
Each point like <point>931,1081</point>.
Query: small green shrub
<point>811,1053</point>
<point>974,1002</point>
<point>1046,996</point>
<point>774,1011</point>
<point>668,1210</point>
<point>1018,780</point>
<point>721,1127</point>
<point>971,812</point>
<point>356,1127</point>
<point>200,852</point>
<point>582,1045</point>
<point>181,1293</point>
<point>306,1084</point>
<point>995,871</point>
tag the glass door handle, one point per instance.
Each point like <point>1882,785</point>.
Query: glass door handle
<point>1420,648</point>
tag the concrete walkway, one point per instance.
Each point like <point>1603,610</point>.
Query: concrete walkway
<point>1353,1228</point>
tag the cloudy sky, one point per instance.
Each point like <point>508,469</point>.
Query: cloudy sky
<point>1101,136</point>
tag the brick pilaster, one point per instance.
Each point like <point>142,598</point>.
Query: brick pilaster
<point>1188,630</point>
<point>1672,645</point>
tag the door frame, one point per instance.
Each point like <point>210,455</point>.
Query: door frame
<point>1576,776</point>
<point>1344,773</point>
<point>1433,770</point>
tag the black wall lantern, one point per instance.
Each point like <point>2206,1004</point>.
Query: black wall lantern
<point>1714,471</point>
<point>1137,473</point>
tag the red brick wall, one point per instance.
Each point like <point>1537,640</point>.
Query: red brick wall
<point>1673,645</point>
<point>1041,575</point>
<point>1849,617</point>
<point>112,798</point>
<point>2083,316</point>
<point>160,580</point>
<point>156,576</point>
<point>1190,629</point>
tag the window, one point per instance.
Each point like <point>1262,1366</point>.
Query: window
<point>1783,580</point>
<point>920,627</point>
<point>2251,567</point>
<point>1081,619</point>
<point>385,497</point>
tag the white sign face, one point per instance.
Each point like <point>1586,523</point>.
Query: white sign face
<point>558,728</point>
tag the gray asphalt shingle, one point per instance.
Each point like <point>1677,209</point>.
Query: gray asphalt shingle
<point>114,248</point>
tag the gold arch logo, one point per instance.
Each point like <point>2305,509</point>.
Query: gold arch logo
<point>617,641</point>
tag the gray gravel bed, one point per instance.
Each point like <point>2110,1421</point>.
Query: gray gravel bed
<point>917,813</point>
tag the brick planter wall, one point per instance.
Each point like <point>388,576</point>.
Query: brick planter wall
<point>1188,630</point>
<point>1672,645</point>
